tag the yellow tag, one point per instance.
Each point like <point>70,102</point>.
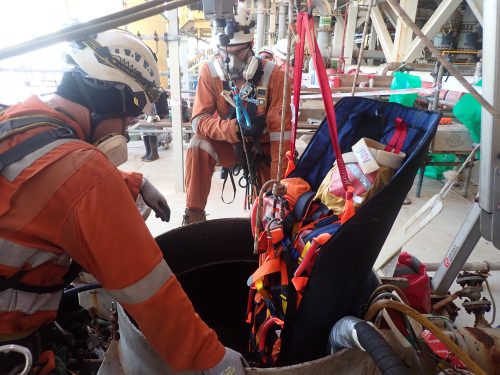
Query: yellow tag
<point>304,252</point>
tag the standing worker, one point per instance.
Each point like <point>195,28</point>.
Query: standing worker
<point>62,199</point>
<point>222,132</point>
<point>266,53</point>
<point>150,138</point>
<point>279,50</point>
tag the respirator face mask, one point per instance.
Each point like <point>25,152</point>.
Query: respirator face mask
<point>114,146</point>
<point>238,63</point>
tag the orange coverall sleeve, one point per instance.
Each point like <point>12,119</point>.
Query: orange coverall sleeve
<point>205,106</point>
<point>273,119</point>
<point>133,180</point>
<point>105,233</point>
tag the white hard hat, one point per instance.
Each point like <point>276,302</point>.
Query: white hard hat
<point>243,25</point>
<point>118,56</point>
<point>266,49</point>
<point>280,48</point>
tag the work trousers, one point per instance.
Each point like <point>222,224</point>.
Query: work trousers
<point>203,155</point>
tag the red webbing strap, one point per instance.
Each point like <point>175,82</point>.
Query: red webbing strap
<point>398,138</point>
<point>307,24</point>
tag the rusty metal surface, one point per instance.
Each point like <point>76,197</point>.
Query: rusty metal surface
<point>346,362</point>
<point>483,345</point>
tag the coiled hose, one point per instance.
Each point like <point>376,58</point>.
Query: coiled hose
<point>426,323</point>
<point>351,332</point>
<point>21,350</point>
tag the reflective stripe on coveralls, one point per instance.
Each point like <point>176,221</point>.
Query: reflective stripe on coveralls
<point>195,121</point>
<point>72,202</point>
<point>144,288</point>
<point>28,303</point>
<point>202,144</point>
<point>13,170</point>
<point>15,255</point>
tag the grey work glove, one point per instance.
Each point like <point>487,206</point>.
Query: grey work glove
<point>154,199</point>
<point>231,364</point>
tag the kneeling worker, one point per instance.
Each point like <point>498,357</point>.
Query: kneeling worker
<point>222,132</point>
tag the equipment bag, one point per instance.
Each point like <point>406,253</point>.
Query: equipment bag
<point>338,276</point>
<point>316,273</point>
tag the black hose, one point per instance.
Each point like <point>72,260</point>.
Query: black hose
<point>81,288</point>
<point>379,350</point>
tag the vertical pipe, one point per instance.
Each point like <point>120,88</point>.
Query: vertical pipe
<point>175,98</point>
<point>489,197</point>
<point>282,20</point>
<point>338,35</point>
<point>261,24</point>
<point>437,88</point>
<point>362,47</point>
<point>325,38</point>
<point>372,44</point>
<point>271,21</point>
<point>183,59</point>
<point>350,28</point>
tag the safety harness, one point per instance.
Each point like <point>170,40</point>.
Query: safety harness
<point>46,141</point>
<point>244,103</point>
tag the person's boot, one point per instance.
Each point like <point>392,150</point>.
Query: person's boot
<point>153,144</point>
<point>193,216</point>
<point>145,138</point>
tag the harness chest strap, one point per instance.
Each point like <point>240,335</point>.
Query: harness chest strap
<point>32,144</point>
<point>15,160</point>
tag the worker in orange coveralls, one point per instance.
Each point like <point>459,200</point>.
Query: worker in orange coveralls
<point>62,200</point>
<point>222,135</point>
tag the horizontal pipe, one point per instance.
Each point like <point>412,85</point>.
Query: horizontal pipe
<point>385,68</point>
<point>92,27</point>
<point>483,266</point>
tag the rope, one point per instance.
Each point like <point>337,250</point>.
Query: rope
<point>258,215</point>
<point>286,87</point>
<point>362,48</point>
<point>279,190</point>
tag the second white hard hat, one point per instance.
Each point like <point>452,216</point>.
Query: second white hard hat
<point>280,48</point>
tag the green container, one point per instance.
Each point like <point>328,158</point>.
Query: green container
<point>436,171</point>
<point>404,81</point>
<point>468,112</point>
<point>325,21</point>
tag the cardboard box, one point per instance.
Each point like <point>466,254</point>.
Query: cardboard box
<point>451,138</point>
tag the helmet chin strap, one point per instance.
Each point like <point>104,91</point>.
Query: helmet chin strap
<point>97,118</point>
<point>228,74</point>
